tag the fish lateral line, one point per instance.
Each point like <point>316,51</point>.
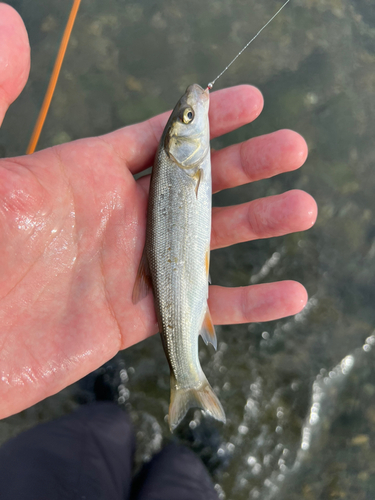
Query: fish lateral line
<point>211,84</point>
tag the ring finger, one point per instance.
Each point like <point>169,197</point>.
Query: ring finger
<point>263,218</point>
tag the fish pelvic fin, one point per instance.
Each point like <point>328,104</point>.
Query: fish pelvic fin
<point>143,282</point>
<point>202,397</point>
<point>207,331</point>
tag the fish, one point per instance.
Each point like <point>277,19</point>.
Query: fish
<point>176,257</point>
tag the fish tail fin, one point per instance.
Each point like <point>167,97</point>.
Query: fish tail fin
<point>183,399</point>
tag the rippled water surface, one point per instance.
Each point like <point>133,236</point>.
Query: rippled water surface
<point>299,393</point>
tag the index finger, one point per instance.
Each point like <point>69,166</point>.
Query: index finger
<point>229,109</point>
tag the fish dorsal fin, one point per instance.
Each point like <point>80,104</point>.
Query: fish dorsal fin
<point>208,330</point>
<point>143,282</point>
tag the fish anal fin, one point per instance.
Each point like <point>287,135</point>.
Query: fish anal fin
<point>208,330</point>
<point>202,397</point>
<point>207,265</point>
<point>143,283</point>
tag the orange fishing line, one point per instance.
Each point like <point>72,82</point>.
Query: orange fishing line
<point>53,80</point>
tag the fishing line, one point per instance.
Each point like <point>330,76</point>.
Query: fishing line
<point>211,84</point>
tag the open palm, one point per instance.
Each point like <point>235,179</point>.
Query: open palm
<point>72,229</point>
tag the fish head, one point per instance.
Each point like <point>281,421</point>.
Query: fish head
<point>186,137</point>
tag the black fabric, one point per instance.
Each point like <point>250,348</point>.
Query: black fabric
<point>85,455</point>
<point>175,473</point>
<point>88,455</point>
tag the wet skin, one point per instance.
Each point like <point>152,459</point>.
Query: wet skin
<point>72,229</point>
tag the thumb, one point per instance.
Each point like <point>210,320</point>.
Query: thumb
<point>14,57</point>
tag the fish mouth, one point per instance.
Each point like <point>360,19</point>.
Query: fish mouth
<point>197,93</point>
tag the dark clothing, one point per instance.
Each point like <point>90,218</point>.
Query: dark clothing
<point>175,473</point>
<point>88,455</point>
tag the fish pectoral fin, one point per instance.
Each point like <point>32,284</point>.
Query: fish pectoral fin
<point>143,283</point>
<point>208,330</point>
<point>202,397</point>
<point>198,177</point>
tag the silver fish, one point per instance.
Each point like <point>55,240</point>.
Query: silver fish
<point>175,261</point>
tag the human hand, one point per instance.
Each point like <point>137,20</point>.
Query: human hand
<point>73,221</point>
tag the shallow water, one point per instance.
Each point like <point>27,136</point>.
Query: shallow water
<point>299,393</point>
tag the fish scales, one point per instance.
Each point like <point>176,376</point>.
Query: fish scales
<point>179,235</point>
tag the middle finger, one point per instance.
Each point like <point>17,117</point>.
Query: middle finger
<point>257,158</point>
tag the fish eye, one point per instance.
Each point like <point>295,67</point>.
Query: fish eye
<point>188,115</point>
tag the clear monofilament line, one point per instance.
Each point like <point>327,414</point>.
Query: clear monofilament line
<point>211,84</point>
